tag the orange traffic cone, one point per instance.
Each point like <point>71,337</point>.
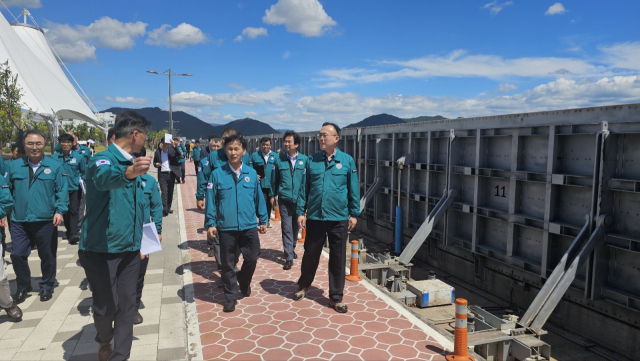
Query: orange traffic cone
<point>304,235</point>
<point>460,352</point>
<point>354,276</point>
<point>277,217</point>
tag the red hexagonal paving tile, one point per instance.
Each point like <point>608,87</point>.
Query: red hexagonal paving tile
<point>265,330</point>
<point>270,342</point>
<point>335,346</point>
<point>241,346</point>
<point>307,351</point>
<point>325,333</point>
<point>237,334</point>
<point>291,326</point>
<point>277,354</point>
<point>403,352</point>
<point>375,355</point>
<point>388,338</point>
<point>363,342</point>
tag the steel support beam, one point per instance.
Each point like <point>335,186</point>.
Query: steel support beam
<point>370,193</point>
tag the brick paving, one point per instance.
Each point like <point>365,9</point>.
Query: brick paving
<point>269,325</point>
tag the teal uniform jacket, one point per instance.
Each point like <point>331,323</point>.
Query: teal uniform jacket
<point>74,166</point>
<point>152,201</point>
<point>286,182</point>
<point>213,161</point>
<point>6,201</point>
<point>40,197</point>
<point>6,167</point>
<point>258,159</point>
<point>233,204</point>
<point>83,150</point>
<point>195,154</point>
<point>183,149</point>
<point>115,205</point>
<point>331,191</point>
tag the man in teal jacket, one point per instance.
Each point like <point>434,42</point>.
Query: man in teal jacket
<point>40,197</point>
<point>331,200</point>
<point>153,213</point>
<point>195,156</point>
<point>287,180</point>
<point>265,158</point>
<point>75,167</point>
<point>109,247</point>
<point>180,145</point>
<point>234,202</point>
<point>16,153</point>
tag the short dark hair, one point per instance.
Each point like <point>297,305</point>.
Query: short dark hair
<point>265,139</point>
<point>334,125</point>
<point>14,146</point>
<point>215,140</point>
<point>229,131</point>
<point>197,141</point>
<point>291,133</point>
<point>111,132</point>
<point>34,131</point>
<point>233,137</point>
<point>65,138</point>
<point>128,121</point>
<point>211,136</point>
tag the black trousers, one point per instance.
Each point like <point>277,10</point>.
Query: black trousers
<point>265,192</point>
<point>113,278</point>
<point>72,215</point>
<point>317,232</point>
<point>45,236</point>
<point>143,271</point>
<point>196,164</point>
<point>167,181</point>
<point>83,203</point>
<point>249,243</point>
<point>182,168</point>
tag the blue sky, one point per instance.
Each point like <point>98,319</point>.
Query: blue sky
<point>297,63</point>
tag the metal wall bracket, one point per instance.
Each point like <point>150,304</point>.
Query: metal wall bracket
<point>370,193</point>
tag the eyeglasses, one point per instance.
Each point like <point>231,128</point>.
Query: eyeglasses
<point>325,135</point>
<point>35,145</point>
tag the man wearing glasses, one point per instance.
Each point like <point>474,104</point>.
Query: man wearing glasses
<point>331,199</point>
<point>40,198</point>
<point>109,248</point>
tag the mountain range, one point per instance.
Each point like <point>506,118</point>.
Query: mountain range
<point>187,125</point>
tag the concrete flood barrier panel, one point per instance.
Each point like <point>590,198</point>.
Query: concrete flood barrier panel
<point>526,183</point>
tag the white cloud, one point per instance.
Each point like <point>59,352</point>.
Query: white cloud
<point>273,96</point>
<point>252,33</point>
<point>179,37</point>
<point>33,4</point>
<point>236,85</point>
<point>238,38</point>
<point>250,114</point>
<point>506,88</point>
<point>460,64</point>
<point>126,100</point>
<point>104,33</point>
<point>286,55</point>
<point>556,8</point>
<point>623,55</point>
<point>495,7</point>
<point>306,17</point>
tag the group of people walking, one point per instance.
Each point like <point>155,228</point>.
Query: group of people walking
<point>320,192</point>
<point>236,191</point>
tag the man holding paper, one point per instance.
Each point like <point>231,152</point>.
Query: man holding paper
<point>166,160</point>
<point>112,233</point>
<point>153,214</point>
<point>234,202</point>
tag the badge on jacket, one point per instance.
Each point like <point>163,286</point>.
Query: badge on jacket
<point>144,184</point>
<point>301,162</point>
<point>47,171</point>
<point>210,185</point>
<point>247,179</point>
<point>72,160</point>
<point>102,162</point>
<point>339,166</point>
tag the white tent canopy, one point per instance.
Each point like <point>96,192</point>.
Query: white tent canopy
<point>46,89</point>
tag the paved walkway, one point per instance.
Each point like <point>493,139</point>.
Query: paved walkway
<point>269,325</point>
<point>62,328</point>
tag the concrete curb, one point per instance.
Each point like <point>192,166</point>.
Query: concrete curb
<point>191,314</point>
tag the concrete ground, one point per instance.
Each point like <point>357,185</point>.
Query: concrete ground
<point>62,328</point>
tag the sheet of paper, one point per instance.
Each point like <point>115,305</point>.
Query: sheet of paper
<point>150,240</point>
<point>167,138</point>
<point>84,189</point>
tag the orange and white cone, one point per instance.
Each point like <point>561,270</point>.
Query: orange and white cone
<point>354,276</point>
<point>277,216</point>
<point>460,352</point>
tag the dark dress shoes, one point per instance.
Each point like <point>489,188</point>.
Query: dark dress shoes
<point>230,306</point>
<point>295,256</point>
<point>287,265</point>
<point>170,211</point>
<point>246,291</point>
<point>164,214</point>
<point>45,295</point>
<point>14,312</point>
<point>74,239</point>
<point>211,253</point>
<point>137,318</point>
<point>104,351</point>
<point>21,295</point>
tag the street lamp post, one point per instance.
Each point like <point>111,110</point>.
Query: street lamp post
<point>169,73</point>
